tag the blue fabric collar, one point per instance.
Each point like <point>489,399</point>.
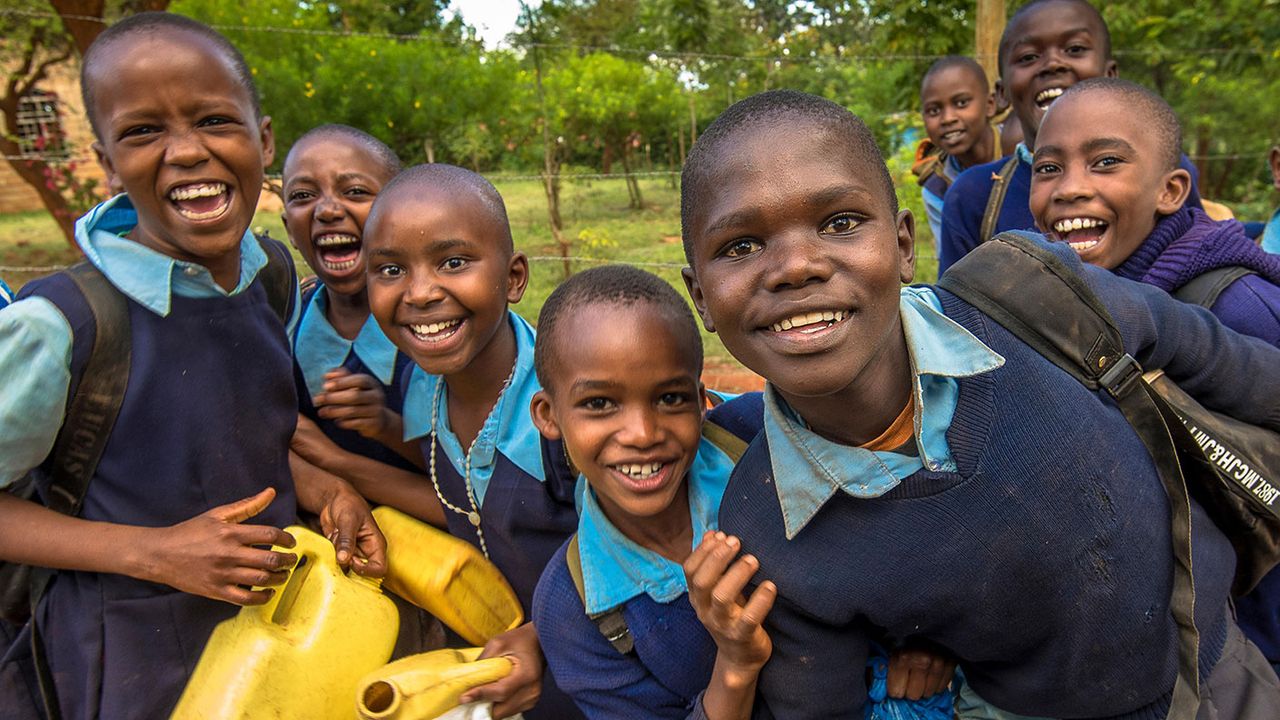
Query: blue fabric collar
<point>616,569</point>
<point>319,348</point>
<point>149,277</point>
<point>1024,153</point>
<point>1271,234</point>
<point>808,468</point>
<point>509,429</point>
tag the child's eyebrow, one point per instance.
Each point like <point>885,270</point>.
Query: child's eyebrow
<point>1108,143</point>
<point>350,176</point>
<point>589,385</point>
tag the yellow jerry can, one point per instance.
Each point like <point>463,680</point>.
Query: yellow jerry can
<point>447,577</point>
<point>421,687</point>
<point>300,655</point>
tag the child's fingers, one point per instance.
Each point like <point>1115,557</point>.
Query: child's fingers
<point>350,382</point>
<point>348,396</point>
<point>699,554</point>
<point>759,604</point>
<point>241,510</point>
<point>265,560</point>
<point>257,578</point>
<point>242,596</point>
<point>719,555</point>
<point>260,535</point>
<point>336,373</point>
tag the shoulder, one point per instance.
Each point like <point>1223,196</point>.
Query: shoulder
<point>1251,305</point>
<point>975,181</point>
<point>556,598</point>
<point>742,415</point>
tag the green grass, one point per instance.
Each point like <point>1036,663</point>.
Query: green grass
<point>596,217</point>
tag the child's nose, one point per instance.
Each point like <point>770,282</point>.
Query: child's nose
<point>641,429</point>
<point>422,289</point>
<point>328,209</point>
<point>798,262</point>
<point>185,149</point>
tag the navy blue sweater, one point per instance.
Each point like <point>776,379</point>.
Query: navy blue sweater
<point>1043,564</point>
<point>206,420</point>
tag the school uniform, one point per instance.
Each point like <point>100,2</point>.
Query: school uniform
<point>670,666</point>
<point>523,488</point>
<point>1181,247</point>
<point>1271,234</point>
<point>6,295</point>
<point>206,420</point>
<point>935,170</point>
<point>966,202</point>
<point>1029,535</point>
<point>318,348</point>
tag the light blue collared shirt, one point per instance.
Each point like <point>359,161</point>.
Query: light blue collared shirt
<point>808,469</point>
<point>615,568</point>
<point>508,429</point>
<point>1271,234</point>
<point>6,295</point>
<point>35,338</point>
<point>318,348</point>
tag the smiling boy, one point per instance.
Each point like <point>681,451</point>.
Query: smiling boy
<point>929,463</point>
<point>442,271</point>
<point>1048,46</point>
<point>160,551</point>
<point>957,108</point>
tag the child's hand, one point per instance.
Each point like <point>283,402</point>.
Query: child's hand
<point>916,673</point>
<point>354,402</point>
<point>345,519</point>
<point>213,555</point>
<point>715,591</point>
<point>520,690</point>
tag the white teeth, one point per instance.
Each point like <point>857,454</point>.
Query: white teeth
<point>812,318</point>
<point>190,192</point>
<point>1081,246</point>
<point>346,265</point>
<point>640,471</point>
<point>335,239</point>
<point>1069,224</point>
<point>433,328</point>
<point>1049,94</point>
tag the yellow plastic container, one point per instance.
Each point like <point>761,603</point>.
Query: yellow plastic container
<point>300,655</point>
<point>421,687</point>
<point>447,577</point>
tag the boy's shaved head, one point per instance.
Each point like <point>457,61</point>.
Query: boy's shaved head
<point>772,108</point>
<point>454,181</point>
<point>955,61</point>
<point>157,23</point>
<point>621,285</point>
<point>1125,96</point>
<point>1006,38</point>
<point>385,155</point>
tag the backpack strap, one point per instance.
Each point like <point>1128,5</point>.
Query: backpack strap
<point>1204,289</point>
<point>91,415</point>
<point>995,200</point>
<point>278,277</point>
<point>611,624</point>
<point>723,438</point>
<point>1024,287</point>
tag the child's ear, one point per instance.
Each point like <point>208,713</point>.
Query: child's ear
<point>1001,95</point>
<point>695,294</point>
<point>906,246</point>
<point>1174,191</point>
<point>543,417</point>
<point>517,277</point>
<point>104,161</point>
<point>1274,159</point>
<point>268,137</point>
<point>991,103</point>
<point>1113,69</point>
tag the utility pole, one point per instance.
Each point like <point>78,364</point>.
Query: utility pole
<point>986,41</point>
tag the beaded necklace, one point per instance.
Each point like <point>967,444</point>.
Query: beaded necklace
<point>472,515</point>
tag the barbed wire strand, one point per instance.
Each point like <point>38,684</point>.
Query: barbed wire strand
<point>653,52</point>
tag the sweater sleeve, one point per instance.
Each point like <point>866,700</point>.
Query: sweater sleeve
<point>1211,362</point>
<point>604,683</point>
<point>962,210</point>
<point>816,672</point>
<point>35,372</point>
<point>1251,305</point>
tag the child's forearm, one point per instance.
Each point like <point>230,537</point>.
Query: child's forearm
<point>392,436</point>
<point>731,693</point>
<point>384,484</point>
<point>32,534</point>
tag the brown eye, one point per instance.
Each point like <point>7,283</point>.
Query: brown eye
<point>840,225</point>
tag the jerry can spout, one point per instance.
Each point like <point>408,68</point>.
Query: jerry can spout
<point>421,687</point>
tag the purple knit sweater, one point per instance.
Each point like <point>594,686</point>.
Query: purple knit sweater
<point>1183,246</point>
<point>1188,244</point>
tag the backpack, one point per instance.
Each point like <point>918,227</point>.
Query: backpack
<point>611,623</point>
<point>1231,468</point>
<point>92,410</point>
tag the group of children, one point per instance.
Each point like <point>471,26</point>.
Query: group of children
<point>919,516</point>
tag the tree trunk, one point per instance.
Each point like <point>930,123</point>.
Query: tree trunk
<point>633,186</point>
<point>32,173</point>
<point>606,159</point>
<point>550,163</point>
<point>429,146</point>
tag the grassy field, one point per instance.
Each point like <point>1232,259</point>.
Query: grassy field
<point>596,218</point>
